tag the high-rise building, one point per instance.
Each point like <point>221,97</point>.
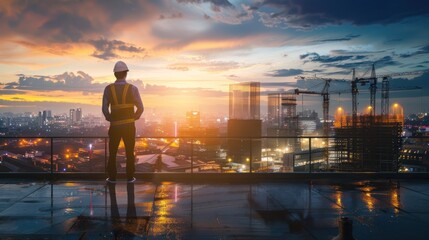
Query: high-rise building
<point>244,124</point>
<point>78,114</point>
<point>193,119</point>
<point>40,118</point>
<point>44,116</point>
<point>72,116</point>
<point>244,101</point>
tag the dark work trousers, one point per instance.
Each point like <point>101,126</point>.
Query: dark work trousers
<point>128,134</point>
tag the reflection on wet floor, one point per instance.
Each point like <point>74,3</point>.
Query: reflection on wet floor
<point>171,210</point>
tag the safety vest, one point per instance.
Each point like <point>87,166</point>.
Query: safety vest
<point>121,112</point>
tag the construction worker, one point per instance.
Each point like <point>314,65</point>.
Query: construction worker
<point>122,97</point>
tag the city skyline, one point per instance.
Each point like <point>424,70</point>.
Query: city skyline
<point>183,55</point>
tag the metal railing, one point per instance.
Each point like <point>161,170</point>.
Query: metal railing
<point>314,155</point>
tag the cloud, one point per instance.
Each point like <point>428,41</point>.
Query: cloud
<point>420,51</point>
<point>82,82</point>
<point>67,81</point>
<point>8,91</point>
<point>171,16</point>
<point>420,66</point>
<point>67,27</point>
<point>315,57</point>
<point>379,63</point>
<point>51,23</point>
<point>223,11</point>
<point>312,13</point>
<point>354,52</point>
<point>231,76</point>
<point>347,61</point>
<point>215,4</point>
<point>178,67</point>
<point>342,39</point>
<point>108,49</point>
<point>285,72</point>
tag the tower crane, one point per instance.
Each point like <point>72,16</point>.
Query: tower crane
<point>363,81</point>
<point>385,88</point>
<point>325,95</point>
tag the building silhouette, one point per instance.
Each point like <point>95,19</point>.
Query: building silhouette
<point>244,124</point>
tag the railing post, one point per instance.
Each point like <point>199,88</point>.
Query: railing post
<point>251,156</point>
<point>52,158</point>
<point>309,152</point>
<point>192,156</point>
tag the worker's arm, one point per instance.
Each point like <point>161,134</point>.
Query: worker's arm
<point>138,103</point>
<point>106,103</point>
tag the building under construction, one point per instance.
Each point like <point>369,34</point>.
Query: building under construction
<point>368,144</point>
<point>283,121</point>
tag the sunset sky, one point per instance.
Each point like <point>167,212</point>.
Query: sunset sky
<point>183,54</point>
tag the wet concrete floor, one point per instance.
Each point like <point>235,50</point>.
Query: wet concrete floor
<point>171,210</point>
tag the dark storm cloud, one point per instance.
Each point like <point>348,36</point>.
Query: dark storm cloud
<point>108,49</point>
<point>285,72</point>
<point>315,57</point>
<point>420,51</point>
<point>342,39</point>
<point>311,13</point>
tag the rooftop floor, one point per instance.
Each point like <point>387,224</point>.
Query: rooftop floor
<point>174,210</point>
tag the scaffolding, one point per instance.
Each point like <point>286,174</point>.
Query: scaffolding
<point>372,145</point>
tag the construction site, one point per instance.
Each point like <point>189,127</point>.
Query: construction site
<point>359,142</point>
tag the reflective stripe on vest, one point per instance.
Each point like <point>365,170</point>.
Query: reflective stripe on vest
<point>116,106</point>
<point>120,122</point>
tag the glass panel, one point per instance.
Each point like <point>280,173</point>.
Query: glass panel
<point>160,155</point>
<point>79,155</point>
<point>25,155</point>
<point>414,155</point>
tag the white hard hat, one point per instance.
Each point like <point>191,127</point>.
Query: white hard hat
<point>120,67</point>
